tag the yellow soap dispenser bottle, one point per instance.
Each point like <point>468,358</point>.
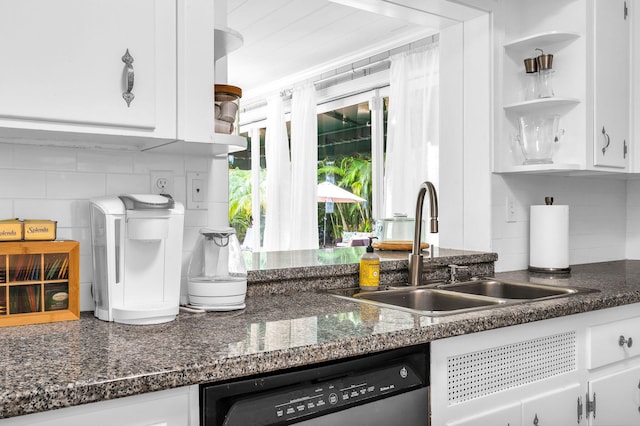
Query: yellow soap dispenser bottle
<point>369,269</point>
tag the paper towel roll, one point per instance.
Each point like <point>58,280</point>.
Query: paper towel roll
<point>549,238</point>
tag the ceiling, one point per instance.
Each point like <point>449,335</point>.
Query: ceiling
<point>286,41</point>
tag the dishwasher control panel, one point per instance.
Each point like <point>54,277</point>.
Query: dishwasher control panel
<point>314,399</point>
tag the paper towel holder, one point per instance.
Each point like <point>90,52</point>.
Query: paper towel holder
<point>550,271</point>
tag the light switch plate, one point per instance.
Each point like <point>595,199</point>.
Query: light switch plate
<point>196,191</point>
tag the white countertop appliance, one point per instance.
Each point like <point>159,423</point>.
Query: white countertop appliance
<point>137,258</point>
<point>217,275</point>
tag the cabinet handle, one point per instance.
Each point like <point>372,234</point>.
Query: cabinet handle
<point>626,11</point>
<point>625,149</point>
<point>622,341</point>
<point>579,409</point>
<point>607,141</point>
<point>127,95</point>
<point>535,420</point>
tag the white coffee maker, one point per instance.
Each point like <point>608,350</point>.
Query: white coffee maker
<point>137,258</point>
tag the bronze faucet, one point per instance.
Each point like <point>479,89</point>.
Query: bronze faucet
<point>416,258</point>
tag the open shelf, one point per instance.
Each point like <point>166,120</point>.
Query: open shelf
<point>540,104</point>
<point>226,41</point>
<point>541,168</point>
<point>540,40</point>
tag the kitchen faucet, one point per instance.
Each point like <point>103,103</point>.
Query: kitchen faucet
<point>415,258</point>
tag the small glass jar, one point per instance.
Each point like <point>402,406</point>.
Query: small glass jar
<point>531,79</point>
<point>227,109</point>
<point>545,71</point>
<point>545,86</point>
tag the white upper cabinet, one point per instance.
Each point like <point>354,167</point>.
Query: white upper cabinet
<point>611,83</point>
<point>63,68</point>
<point>66,75</point>
<point>590,85</point>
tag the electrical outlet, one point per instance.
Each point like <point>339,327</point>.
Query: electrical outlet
<point>162,182</point>
<point>196,191</point>
<point>511,209</point>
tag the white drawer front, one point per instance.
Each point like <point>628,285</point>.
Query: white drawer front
<point>605,339</point>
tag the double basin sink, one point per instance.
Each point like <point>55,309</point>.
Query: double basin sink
<point>446,299</point>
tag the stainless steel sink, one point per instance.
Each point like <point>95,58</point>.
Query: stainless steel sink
<point>447,299</point>
<point>428,300</point>
<point>510,290</point>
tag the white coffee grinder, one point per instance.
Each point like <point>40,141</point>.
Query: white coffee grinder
<point>217,276</point>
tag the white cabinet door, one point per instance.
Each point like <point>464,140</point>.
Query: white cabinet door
<point>508,415</point>
<point>173,407</point>
<point>63,69</point>
<point>557,407</point>
<point>611,83</point>
<point>617,398</point>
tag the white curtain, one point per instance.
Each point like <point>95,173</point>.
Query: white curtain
<point>304,168</point>
<point>413,130</point>
<point>277,227</point>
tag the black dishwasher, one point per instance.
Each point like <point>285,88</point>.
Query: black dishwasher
<point>378,389</point>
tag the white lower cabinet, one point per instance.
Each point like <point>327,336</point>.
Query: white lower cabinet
<point>173,407</point>
<point>556,407</point>
<point>574,370</point>
<point>615,398</point>
<point>548,408</point>
<point>508,415</point>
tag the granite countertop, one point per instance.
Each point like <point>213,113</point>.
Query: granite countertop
<point>62,364</point>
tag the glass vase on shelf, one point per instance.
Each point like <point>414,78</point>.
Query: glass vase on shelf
<point>538,135</point>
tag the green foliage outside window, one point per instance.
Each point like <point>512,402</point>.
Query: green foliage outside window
<point>350,173</point>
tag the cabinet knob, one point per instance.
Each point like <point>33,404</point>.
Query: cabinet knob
<point>128,95</point>
<point>622,341</point>
<point>535,420</point>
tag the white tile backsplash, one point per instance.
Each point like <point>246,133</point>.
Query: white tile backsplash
<point>144,163</point>
<point>22,184</point>
<point>118,184</point>
<point>56,183</point>
<point>6,209</point>
<point>75,185</point>
<point>598,211</point>
<point>105,161</point>
<point>6,156</point>
<point>33,157</point>
<point>66,213</point>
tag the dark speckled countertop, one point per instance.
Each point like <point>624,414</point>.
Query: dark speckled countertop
<point>49,366</point>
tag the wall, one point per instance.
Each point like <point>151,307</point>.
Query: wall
<point>56,183</point>
<point>598,214</point>
<point>633,219</point>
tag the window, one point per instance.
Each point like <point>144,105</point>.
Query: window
<point>345,140</point>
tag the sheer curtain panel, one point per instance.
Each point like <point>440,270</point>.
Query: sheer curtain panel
<point>277,228</point>
<point>304,168</point>
<point>413,129</point>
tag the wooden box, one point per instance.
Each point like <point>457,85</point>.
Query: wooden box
<point>39,230</point>
<point>11,230</point>
<point>39,282</point>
